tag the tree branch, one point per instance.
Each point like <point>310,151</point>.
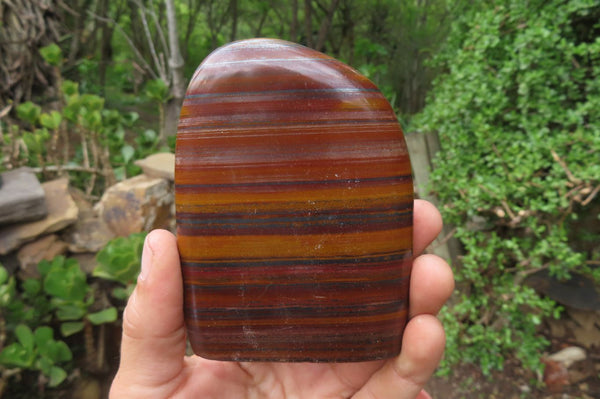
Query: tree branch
<point>135,50</point>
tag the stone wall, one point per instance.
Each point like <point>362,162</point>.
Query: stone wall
<point>42,221</point>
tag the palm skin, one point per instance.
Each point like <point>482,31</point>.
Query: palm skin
<point>154,365</point>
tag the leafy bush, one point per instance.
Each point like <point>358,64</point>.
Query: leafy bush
<point>102,152</point>
<point>38,351</point>
<point>62,297</point>
<point>518,114</point>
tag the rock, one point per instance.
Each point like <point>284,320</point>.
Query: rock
<point>556,376</point>
<point>47,247</point>
<point>62,211</point>
<point>87,388</point>
<point>586,331</point>
<point>158,165</point>
<point>578,292</point>
<point>568,356</point>
<point>22,198</point>
<point>87,262</point>
<point>138,204</point>
<point>10,263</point>
<point>89,233</point>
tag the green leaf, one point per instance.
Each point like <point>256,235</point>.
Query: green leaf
<point>32,287</point>
<point>57,376</point>
<point>44,267</point>
<point>25,336</point>
<point>128,152</point>
<point>129,118</point>
<point>65,280</point>
<point>92,103</point>
<point>104,316</point>
<point>123,293</point>
<point>70,311</point>
<point>29,112</point>
<point>44,365</point>
<point>43,335</point>
<point>92,120</point>
<point>150,135</point>
<point>3,274</point>
<point>120,259</point>
<point>69,88</point>
<point>71,327</point>
<point>48,347</point>
<point>157,90</point>
<point>16,355</point>
<point>52,54</point>
<point>52,120</point>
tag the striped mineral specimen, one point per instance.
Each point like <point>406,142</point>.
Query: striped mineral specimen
<point>294,200</point>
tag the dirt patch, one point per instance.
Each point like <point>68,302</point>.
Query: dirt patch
<point>580,380</point>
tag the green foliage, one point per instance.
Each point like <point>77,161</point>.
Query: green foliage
<point>61,295</point>
<point>38,351</point>
<point>120,261</point>
<point>51,120</point>
<point>63,279</point>
<point>103,144</point>
<point>518,115</point>
<point>71,297</point>
<point>29,112</point>
<point>52,54</point>
<point>157,90</point>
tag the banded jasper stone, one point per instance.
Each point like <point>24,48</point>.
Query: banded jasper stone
<point>294,209</point>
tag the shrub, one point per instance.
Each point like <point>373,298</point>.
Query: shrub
<point>518,115</point>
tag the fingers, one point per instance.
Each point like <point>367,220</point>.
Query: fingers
<point>432,281</point>
<point>431,284</point>
<point>404,376</point>
<point>153,345</point>
<point>427,224</point>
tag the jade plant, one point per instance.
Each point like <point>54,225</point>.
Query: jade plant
<point>119,261</point>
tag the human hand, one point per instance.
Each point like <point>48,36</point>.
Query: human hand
<point>154,365</point>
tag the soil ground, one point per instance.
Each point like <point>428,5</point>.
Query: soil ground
<point>581,380</point>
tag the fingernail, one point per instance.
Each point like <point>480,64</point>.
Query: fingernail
<point>146,259</point>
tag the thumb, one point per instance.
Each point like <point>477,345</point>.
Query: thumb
<point>153,345</point>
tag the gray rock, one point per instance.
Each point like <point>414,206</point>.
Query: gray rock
<point>578,292</point>
<point>62,212</point>
<point>89,233</point>
<point>87,261</point>
<point>22,198</point>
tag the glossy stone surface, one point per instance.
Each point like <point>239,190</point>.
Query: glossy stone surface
<point>294,199</point>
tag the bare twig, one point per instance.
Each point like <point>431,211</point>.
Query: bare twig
<point>159,66</point>
<point>5,111</point>
<point>68,168</point>
<point>591,196</point>
<point>159,30</point>
<point>444,240</point>
<point>135,50</point>
<point>565,168</point>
